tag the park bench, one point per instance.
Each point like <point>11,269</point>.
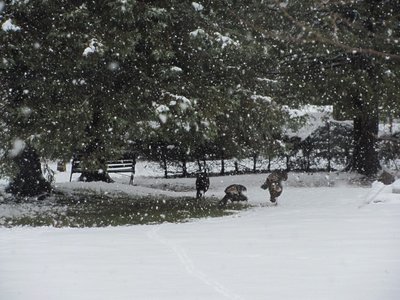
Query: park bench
<point>113,166</point>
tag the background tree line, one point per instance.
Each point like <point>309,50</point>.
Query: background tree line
<point>96,77</point>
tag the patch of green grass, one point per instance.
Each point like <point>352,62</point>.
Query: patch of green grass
<point>100,210</point>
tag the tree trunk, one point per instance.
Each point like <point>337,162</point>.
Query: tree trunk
<point>255,163</point>
<point>184,168</point>
<point>88,176</point>
<point>164,160</point>
<point>329,147</point>
<point>222,167</point>
<point>287,163</point>
<point>94,169</point>
<point>236,167</point>
<point>93,155</point>
<point>365,157</point>
<point>29,180</point>
<point>199,164</point>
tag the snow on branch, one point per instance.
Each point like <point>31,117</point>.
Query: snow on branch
<point>17,148</point>
<point>94,46</point>
<point>183,102</point>
<point>198,32</point>
<point>225,40</point>
<point>197,6</point>
<point>9,26</point>
<point>262,98</point>
<point>267,80</point>
<point>162,111</point>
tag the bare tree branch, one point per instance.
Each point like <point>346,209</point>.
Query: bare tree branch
<point>319,37</point>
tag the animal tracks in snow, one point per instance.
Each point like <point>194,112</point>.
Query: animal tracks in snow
<point>189,266</point>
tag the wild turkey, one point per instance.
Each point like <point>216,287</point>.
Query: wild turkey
<point>274,184</point>
<point>202,184</point>
<point>233,192</point>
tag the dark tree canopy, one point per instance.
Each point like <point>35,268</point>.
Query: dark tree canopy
<point>96,77</point>
<point>92,77</point>
<point>343,53</point>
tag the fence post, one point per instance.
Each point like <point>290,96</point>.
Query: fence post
<point>328,124</point>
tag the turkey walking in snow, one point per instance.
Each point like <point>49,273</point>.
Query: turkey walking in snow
<point>233,192</point>
<point>274,184</point>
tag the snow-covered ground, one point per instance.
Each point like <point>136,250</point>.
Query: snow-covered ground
<point>325,240</point>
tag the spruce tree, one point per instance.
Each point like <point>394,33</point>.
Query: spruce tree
<point>343,53</point>
<point>89,77</point>
<point>79,77</point>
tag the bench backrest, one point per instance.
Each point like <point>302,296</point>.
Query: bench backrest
<point>114,166</point>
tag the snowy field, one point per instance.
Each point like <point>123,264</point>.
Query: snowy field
<point>325,240</point>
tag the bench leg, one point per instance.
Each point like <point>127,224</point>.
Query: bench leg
<point>131,180</point>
